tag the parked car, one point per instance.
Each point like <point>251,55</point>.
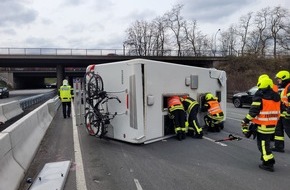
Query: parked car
<point>4,92</point>
<point>244,98</point>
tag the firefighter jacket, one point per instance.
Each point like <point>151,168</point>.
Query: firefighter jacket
<point>188,103</point>
<point>264,111</point>
<point>213,107</point>
<point>174,103</point>
<point>65,93</point>
<point>285,102</point>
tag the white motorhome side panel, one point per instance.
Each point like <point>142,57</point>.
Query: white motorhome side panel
<point>125,81</point>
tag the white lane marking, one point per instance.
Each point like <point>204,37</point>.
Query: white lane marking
<point>240,120</point>
<point>80,174</point>
<point>219,143</point>
<point>138,184</point>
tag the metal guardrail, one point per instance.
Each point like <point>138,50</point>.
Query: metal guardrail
<point>28,102</point>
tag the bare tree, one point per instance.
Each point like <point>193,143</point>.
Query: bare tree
<point>176,23</point>
<point>269,30</point>
<point>243,31</point>
<point>262,32</point>
<point>229,41</point>
<point>139,38</point>
<point>284,40</point>
<point>159,27</point>
<point>277,16</point>
<point>194,37</point>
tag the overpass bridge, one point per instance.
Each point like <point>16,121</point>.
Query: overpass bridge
<point>27,67</point>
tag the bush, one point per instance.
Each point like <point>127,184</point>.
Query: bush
<point>243,72</point>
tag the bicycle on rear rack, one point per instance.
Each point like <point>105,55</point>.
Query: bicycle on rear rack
<point>98,117</point>
<point>93,85</point>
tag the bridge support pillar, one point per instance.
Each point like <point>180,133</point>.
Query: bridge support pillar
<point>59,75</point>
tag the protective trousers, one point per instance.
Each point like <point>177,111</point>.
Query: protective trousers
<point>193,122</point>
<point>282,125</point>
<point>179,120</point>
<point>263,143</point>
<point>213,125</point>
<point>66,109</point>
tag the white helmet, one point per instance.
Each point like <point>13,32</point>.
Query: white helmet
<point>65,82</point>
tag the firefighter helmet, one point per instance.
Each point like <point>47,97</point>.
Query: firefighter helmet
<point>265,83</point>
<point>263,76</point>
<point>283,75</point>
<point>209,96</point>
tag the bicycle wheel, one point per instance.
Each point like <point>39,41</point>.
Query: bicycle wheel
<point>95,85</point>
<point>92,123</point>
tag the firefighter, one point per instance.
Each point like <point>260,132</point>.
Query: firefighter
<point>177,114</point>
<point>263,115</point>
<point>65,94</point>
<point>283,78</point>
<point>215,115</point>
<point>191,107</point>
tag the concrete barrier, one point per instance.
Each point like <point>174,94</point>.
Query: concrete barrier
<point>53,105</point>
<point>19,144</point>
<point>3,119</point>
<point>11,109</point>
<point>11,173</point>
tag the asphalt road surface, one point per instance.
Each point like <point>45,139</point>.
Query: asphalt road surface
<point>202,164</point>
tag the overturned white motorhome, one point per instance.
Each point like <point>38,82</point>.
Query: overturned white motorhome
<point>143,87</point>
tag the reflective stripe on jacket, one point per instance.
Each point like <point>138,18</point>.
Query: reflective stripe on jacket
<point>188,103</point>
<point>268,116</point>
<point>174,103</point>
<point>214,107</point>
<point>65,93</point>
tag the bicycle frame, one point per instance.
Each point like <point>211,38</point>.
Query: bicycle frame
<point>98,117</point>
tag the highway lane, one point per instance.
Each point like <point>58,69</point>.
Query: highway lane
<point>168,164</point>
<point>18,95</point>
<point>21,94</point>
<point>189,164</point>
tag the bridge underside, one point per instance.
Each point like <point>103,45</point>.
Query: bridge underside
<point>28,70</point>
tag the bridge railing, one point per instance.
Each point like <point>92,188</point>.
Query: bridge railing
<point>59,51</point>
<point>107,52</point>
<point>127,52</point>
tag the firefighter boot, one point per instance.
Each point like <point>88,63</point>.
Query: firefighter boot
<point>269,168</point>
<point>179,135</point>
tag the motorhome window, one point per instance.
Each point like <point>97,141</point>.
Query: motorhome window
<point>218,95</point>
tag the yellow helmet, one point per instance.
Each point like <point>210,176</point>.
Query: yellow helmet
<point>209,96</point>
<point>283,75</point>
<point>263,76</point>
<point>265,83</point>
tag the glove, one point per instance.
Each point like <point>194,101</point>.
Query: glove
<point>253,130</point>
<point>245,129</point>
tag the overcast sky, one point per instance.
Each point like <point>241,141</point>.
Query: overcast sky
<point>101,24</point>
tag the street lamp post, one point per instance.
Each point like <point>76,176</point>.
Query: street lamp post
<point>215,42</point>
<point>124,50</point>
